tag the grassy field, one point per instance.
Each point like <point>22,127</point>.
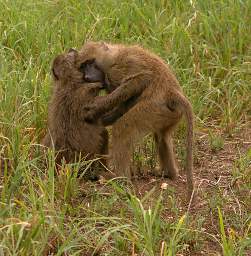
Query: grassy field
<point>208,45</point>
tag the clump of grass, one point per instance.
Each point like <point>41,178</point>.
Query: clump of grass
<point>233,244</point>
<point>216,142</point>
<point>241,170</point>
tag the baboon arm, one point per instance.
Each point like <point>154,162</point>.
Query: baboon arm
<point>130,87</point>
<point>46,141</point>
<point>113,115</point>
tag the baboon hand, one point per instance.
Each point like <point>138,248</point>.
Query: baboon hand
<point>91,113</point>
<point>96,85</point>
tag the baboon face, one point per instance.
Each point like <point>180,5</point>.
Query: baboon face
<point>93,60</point>
<point>95,54</point>
<point>63,64</point>
<point>92,73</point>
<point>65,68</point>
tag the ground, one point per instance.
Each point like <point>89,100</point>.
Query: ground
<point>214,186</point>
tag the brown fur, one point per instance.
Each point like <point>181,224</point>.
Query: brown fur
<point>67,132</point>
<point>132,70</point>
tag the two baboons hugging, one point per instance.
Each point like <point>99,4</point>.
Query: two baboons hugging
<point>143,96</point>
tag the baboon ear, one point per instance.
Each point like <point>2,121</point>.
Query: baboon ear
<point>56,68</point>
<point>105,46</point>
<point>55,73</point>
<point>72,50</point>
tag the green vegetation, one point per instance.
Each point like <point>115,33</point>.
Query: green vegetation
<point>207,43</point>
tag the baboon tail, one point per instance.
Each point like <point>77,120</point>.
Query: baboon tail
<point>188,112</point>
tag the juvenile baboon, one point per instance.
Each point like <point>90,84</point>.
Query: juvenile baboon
<point>130,71</point>
<point>68,133</point>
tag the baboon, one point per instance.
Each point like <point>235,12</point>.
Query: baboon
<point>133,71</point>
<point>68,133</point>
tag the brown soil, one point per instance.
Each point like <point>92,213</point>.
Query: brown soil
<point>214,186</point>
<point>212,175</point>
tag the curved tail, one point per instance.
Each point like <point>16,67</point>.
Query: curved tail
<point>186,107</point>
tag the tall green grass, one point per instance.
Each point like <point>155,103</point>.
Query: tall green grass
<point>207,43</point>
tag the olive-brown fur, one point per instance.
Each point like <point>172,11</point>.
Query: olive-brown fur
<point>67,133</point>
<point>132,70</point>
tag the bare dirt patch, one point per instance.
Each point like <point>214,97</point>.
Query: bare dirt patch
<point>216,185</point>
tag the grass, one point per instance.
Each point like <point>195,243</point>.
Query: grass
<point>207,43</point>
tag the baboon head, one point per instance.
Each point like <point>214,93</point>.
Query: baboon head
<point>64,66</point>
<point>91,71</point>
<point>66,70</point>
<point>94,59</point>
<point>96,50</point>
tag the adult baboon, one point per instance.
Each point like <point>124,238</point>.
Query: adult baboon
<point>133,71</point>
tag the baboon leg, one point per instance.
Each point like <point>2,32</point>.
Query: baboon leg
<point>104,147</point>
<point>46,141</point>
<point>133,126</point>
<point>167,161</point>
<point>99,166</point>
<point>123,140</point>
<point>121,153</point>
